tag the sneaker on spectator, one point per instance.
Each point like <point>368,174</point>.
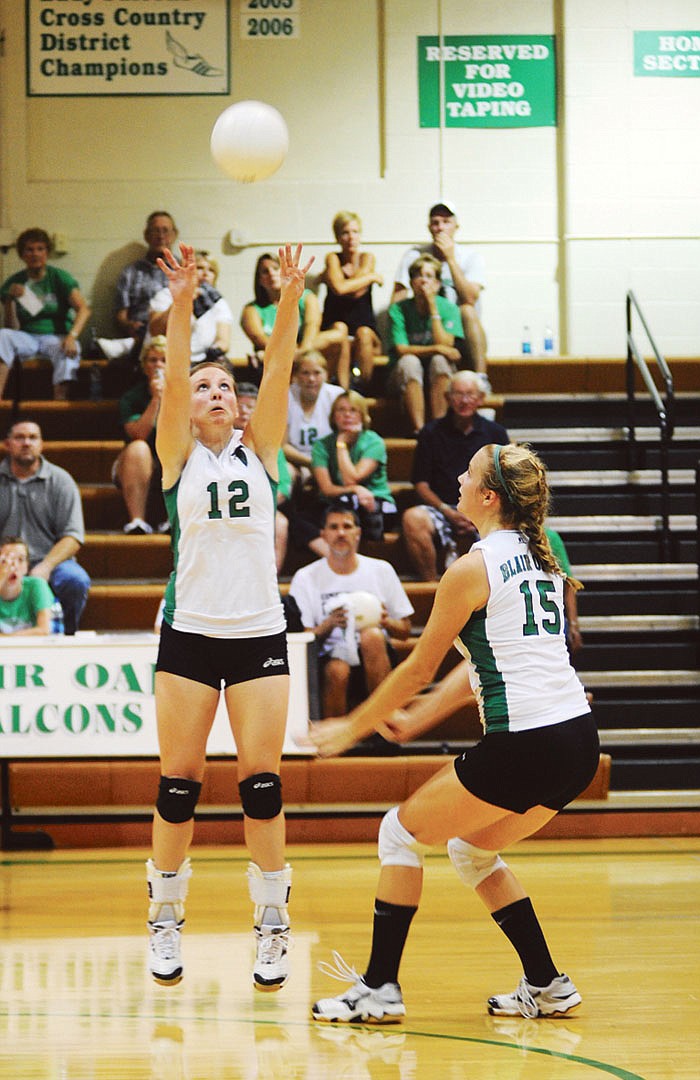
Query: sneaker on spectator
<point>164,527</point>
<point>115,348</point>
<point>137,527</point>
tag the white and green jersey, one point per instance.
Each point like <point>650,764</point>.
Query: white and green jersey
<point>519,665</point>
<point>222,516</point>
<point>303,429</point>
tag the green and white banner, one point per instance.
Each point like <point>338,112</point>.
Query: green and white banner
<point>91,695</point>
<point>670,54</point>
<point>487,81</point>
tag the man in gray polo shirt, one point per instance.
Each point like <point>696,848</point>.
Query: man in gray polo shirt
<point>41,503</point>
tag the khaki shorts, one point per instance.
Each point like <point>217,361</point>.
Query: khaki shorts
<point>411,368</point>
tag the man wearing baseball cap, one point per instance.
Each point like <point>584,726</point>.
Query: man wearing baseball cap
<point>463,278</point>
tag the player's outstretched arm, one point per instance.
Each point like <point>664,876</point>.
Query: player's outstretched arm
<point>268,423</point>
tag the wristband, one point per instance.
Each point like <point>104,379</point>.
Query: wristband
<point>341,445</point>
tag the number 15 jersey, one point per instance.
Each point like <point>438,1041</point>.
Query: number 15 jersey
<point>519,665</point>
<point>222,516</point>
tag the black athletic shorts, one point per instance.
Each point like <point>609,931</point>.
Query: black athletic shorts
<point>548,766</point>
<point>216,661</point>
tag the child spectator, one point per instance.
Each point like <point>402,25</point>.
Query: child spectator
<point>25,602</point>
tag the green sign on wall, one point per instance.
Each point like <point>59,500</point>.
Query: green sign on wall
<point>488,81</point>
<point>667,53</point>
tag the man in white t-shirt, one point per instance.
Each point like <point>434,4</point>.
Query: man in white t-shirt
<point>352,661</point>
<point>463,278</point>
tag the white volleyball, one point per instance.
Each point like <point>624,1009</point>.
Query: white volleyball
<point>367,609</point>
<point>249,141</point>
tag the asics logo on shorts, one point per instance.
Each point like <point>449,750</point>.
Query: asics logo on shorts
<point>273,662</point>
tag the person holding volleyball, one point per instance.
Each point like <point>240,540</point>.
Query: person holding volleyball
<point>223,621</point>
<point>502,606</point>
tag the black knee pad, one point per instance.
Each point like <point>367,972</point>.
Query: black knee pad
<point>261,795</point>
<point>177,799</point>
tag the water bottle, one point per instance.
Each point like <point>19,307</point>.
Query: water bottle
<point>95,383</point>
<point>527,342</point>
<point>548,341</point>
<point>56,618</point>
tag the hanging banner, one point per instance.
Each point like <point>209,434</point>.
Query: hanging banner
<point>91,695</point>
<point>488,81</point>
<point>667,54</point>
<point>106,48</point>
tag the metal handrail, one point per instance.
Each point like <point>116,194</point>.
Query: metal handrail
<point>665,410</point>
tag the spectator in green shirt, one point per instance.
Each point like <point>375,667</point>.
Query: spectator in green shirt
<point>45,314</point>
<point>427,340</point>
<point>136,472</point>
<point>25,602</point>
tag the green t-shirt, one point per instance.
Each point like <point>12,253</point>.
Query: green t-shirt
<point>557,545</point>
<point>21,613</point>
<point>54,289</point>
<point>408,327</point>
<point>367,445</point>
<point>284,484</point>
<point>268,314</point>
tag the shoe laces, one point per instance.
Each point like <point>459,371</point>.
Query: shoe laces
<point>272,947</point>
<point>339,969</point>
<point>166,942</point>
<point>526,1002</point>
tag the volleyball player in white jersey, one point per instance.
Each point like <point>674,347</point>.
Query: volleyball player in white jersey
<point>223,622</point>
<point>502,605</point>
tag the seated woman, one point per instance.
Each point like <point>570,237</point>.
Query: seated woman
<point>311,398</point>
<point>44,314</point>
<point>352,461</point>
<point>349,276</point>
<point>258,318</point>
<point>212,317</point>
<point>137,472</point>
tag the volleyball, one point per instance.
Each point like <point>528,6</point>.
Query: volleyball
<point>249,141</point>
<point>367,609</point>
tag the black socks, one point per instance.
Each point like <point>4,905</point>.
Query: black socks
<point>520,925</point>
<point>391,925</point>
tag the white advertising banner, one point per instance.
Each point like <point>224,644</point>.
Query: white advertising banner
<point>92,696</point>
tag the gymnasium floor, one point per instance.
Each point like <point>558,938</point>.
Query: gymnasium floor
<point>622,917</point>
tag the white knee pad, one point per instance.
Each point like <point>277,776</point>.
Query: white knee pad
<point>473,864</point>
<point>397,847</point>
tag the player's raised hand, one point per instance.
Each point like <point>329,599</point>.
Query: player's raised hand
<point>292,274</point>
<point>183,280</point>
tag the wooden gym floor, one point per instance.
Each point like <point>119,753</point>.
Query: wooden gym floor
<point>622,917</point>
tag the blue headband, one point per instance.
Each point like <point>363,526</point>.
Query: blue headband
<point>499,473</point>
